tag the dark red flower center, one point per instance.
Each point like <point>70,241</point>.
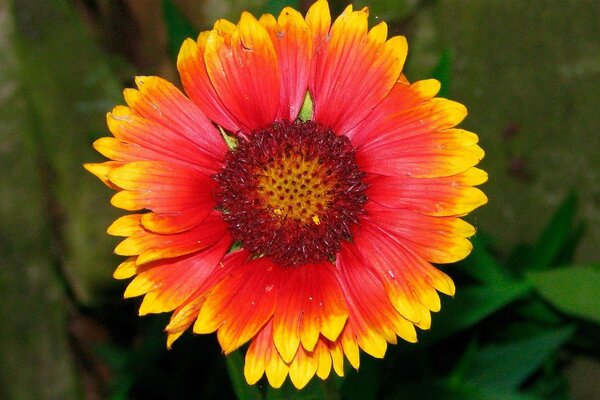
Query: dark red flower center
<point>291,192</point>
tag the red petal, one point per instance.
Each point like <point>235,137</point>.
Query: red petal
<point>353,70</point>
<point>244,73</point>
<point>447,196</point>
<point>175,281</point>
<point>150,246</point>
<point>292,41</point>
<point>241,303</point>
<point>313,304</point>
<point>138,138</point>
<point>163,188</point>
<point>159,101</point>
<point>437,239</point>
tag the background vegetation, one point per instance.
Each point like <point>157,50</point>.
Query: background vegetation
<point>526,318</point>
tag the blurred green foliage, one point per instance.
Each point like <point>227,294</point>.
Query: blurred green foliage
<point>521,316</point>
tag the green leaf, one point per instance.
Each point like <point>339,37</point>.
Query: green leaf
<point>505,367</point>
<point>554,237</point>
<point>363,384</point>
<point>386,10</point>
<point>457,377</point>
<point>574,290</point>
<point>275,6</point>
<point>471,305</point>
<point>482,266</point>
<point>443,391</point>
<point>443,72</point>
<point>235,367</point>
<point>178,27</point>
<point>306,111</point>
<point>315,390</point>
<point>537,311</point>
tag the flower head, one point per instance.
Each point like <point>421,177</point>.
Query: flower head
<point>335,215</point>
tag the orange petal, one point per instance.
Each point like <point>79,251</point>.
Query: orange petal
<point>126,225</point>
<point>197,84</point>
<point>354,70</point>
<point>313,304</point>
<point>447,196</point>
<point>126,269</point>
<point>101,170</point>
<point>241,303</point>
<point>163,188</point>
<point>373,319</point>
<point>245,74</point>
<point>388,118</point>
<point>437,239</point>
<point>187,313</point>
<point>292,41</point>
<point>410,282</point>
<point>318,19</point>
<point>160,101</point>
<point>138,138</point>
<point>303,367</point>
<point>323,356</point>
<point>428,155</point>
<point>149,246</point>
<point>175,281</point>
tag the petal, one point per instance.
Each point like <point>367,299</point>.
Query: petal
<point>163,188</point>
<point>323,356</point>
<point>242,303</point>
<point>138,138</point>
<point>126,269</point>
<point>174,281</point>
<point>197,85</point>
<point>318,19</point>
<point>183,317</point>
<point>101,170</point>
<point>303,367</point>
<point>337,356</point>
<point>373,319</point>
<point>150,246</point>
<point>275,369</point>
<point>126,225</point>
<point>409,133</point>
<point>245,73</point>
<point>437,239</point>
<point>175,222</point>
<point>257,353</point>
<point>385,117</point>
<point>446,196</point>
<point>313,304</point>
<point>187,313</point>
<point>428,155</point>
<point>353,70</point>
<point>409,280</point>
<point>293,45</point>
<point>160,101</point>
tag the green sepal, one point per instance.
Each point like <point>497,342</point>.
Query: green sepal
<point>306,111</point>
<point>229,139</point>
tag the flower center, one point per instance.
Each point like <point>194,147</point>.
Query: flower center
<point>291,192</point>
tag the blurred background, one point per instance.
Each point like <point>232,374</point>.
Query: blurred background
<point>525,322</point>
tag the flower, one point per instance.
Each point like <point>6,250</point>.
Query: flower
<point>296,196</point>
